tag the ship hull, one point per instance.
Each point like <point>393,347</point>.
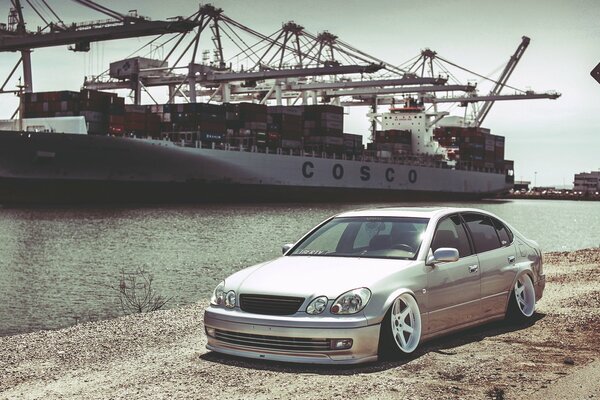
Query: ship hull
<point>44,191</point>
<point>70,169</point>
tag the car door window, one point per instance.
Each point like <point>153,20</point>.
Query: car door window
<point>503,233</point>
<point>483,232</point>
<point>451,233</point>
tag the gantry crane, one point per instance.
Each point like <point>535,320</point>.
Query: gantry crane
<point>277,64</point>
<point>289,65</point>
<point>501,82</point>
<point>15,37</point>
<point>425,65</point>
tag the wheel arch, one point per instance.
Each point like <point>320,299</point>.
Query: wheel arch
<point>394,295</point>
<point>527,270</point>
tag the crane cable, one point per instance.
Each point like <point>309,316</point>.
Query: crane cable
<point>479,75</point>
<point>100,9</point>
<point>37,12</point>
<point>53,13</point>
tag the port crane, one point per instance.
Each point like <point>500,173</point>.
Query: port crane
<point>288,66</point>
<point>279,61</point>
<point>426,64</point>
<point>276,67</point>
<point>14,37</point>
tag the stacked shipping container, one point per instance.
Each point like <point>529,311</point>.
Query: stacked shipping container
<point>393,141</point>
<point>323,128</point>
<point>103,111</point>
<point>285,126</point>
<point>316,128</point>
<point>140,121</point>
<point>476,146</point>
<point>353,144</point>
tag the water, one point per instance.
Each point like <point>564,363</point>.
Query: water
<point>59,266</point>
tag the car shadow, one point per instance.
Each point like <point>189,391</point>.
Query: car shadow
<point>443,345</point>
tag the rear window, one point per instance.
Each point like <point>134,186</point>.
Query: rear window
<point>483,232</point>
<point>504,233</point>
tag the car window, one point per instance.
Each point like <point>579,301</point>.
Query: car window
<point>451,233</point>
<point>367,231</point>
<point>368,237</point>
<point>503,233</point>
<point>328,239</point>
<point>483,232</point>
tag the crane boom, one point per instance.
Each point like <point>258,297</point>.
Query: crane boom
<point>506,73</point>
<point>95,34</point>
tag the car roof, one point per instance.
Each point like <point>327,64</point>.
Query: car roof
<point>411,212</point>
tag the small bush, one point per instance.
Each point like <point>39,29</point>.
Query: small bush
<point>136,293</point>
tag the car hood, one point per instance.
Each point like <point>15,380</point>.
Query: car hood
<point>308,276</point>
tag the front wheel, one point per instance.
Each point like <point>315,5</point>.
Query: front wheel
<point>521,305</point>
<point>401,328</point>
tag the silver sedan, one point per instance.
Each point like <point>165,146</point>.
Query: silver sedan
<point>376,283</point>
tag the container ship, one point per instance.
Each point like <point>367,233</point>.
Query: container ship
<point>240,137</point>
<point>90,147</point>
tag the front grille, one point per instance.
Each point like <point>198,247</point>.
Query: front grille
<point>272,342</point>
<point>270,305</point>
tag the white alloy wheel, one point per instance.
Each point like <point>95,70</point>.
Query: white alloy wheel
<point>406,323</point>
<point>525,295</point>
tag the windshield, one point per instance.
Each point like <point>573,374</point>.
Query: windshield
<point>370,237</point>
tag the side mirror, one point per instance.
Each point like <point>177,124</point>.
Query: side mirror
<point>443,254</point>
<point>286,247</point>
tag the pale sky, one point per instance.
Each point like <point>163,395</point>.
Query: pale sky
<point>555,138</point>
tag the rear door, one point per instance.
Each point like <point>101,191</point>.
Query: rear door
<point>453,287</point>
<point>496,253</point>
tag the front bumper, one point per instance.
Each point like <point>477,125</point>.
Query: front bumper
<point>263,336</point>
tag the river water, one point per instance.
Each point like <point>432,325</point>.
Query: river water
<point>59,266</point>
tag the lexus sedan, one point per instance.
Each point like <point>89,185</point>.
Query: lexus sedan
<point>376,283</point>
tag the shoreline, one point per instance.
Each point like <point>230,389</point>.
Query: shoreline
<point>162,354</point>
<point>538,196</point>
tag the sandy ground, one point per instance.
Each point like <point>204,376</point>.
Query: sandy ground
<point>161,355</point>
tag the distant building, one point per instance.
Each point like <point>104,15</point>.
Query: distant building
<point>587,182</point>
<point>520,185</point>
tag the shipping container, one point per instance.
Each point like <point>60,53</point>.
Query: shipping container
<point>352,141</point>
<point>286,110</point>
<point>131,68</point>
<point>291,144</point>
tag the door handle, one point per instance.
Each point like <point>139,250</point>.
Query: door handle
<point>473,268</point>
<point>511,259</point>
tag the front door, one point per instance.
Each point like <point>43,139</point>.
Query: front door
<point>453,287</point>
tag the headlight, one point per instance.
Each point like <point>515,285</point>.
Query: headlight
<point>317,306</point>
<point>351,302</point>
<point>218,296</point>
<point>230,299</point>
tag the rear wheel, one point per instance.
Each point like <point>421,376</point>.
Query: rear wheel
<point>401,328</point>
<point>521,305</point>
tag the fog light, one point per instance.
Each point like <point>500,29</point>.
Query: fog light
<point>210,331</point>
<point>340,344</point>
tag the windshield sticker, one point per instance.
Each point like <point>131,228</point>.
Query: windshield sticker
<point>312,252</point>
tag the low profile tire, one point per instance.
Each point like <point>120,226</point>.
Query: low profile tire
<point>401,328</point>
<point>521,305</point>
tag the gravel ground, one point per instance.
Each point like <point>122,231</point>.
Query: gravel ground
<point>161,355</point>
